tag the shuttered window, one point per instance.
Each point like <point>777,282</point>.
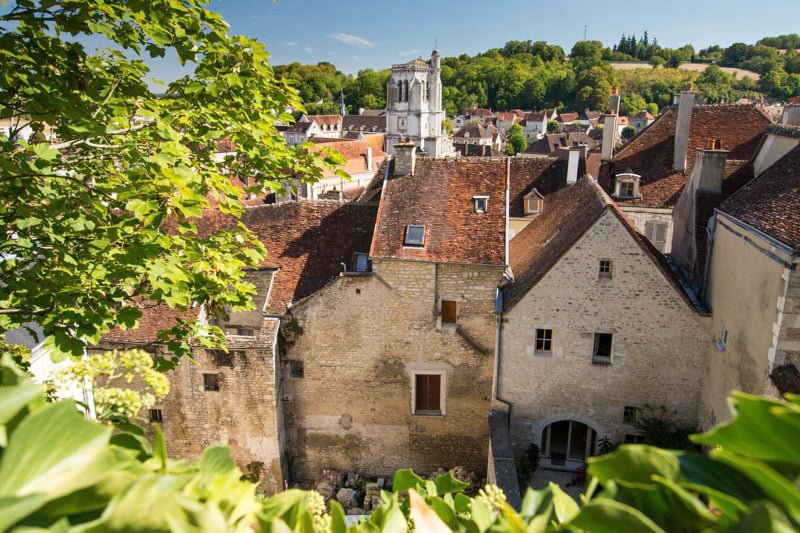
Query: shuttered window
<point>428,394</point>
<point>449,312</point>
<point>656,232</point>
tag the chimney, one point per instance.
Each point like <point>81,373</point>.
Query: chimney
<point>574,163</point>
<point>613,102</point>
<point>682,125</point>
<point>369,157</point>
<point>791,114</point>
<point>709,166</point>
<point>609,137</point>
<point>405,155</point>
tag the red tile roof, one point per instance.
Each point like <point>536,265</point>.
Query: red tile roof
<point>155,317</point>
<point>567,215</point>
<point>354,152</point>
<point>650,154</point>
<point>545,174</point>
<point>440,196</point>
<point>327,120</point>
<point>567,117</point>
<point>771,202</point>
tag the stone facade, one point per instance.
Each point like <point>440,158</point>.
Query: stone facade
<point>659,341</point>
<point>363,339</point>
<point>757,305</point>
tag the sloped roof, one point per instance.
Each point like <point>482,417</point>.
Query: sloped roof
<point>567,117</point>
<point>473,130</point>
<point>365,123</point>
<point>771,202</point>
<point>545,174</point>
<point>507,116</point>
<point>326,120</point>
<point>355,154</point>
<point>155,317</point>
<point>477,111</point>
<point>650,154</point>
<point>440,196</point>
<point>299,127</point>
<point>644,113</point>
<point>568,214</point>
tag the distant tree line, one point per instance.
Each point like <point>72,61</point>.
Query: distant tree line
<point>538,75</point>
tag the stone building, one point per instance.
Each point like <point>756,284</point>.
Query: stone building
<point>753,289</point>
<point>414,107</point>
<point>646,176</point>
<point>575,362</point>
<point>398,362</point>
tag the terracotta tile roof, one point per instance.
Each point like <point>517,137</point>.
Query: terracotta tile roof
<point>536,116</point>
<point>440,196</point>
<point>545,174</point>
<point>644,114</point>
<point>355,153</point>
<point>155,317</point>
<point>507,116</point>
<point>477,111</point>
<point>473,130</point>
<point>786,379</point>
<point>326,120</point>
<point>771,202</point>
<point>567,117</point>
<point>650,154</point>
<point>478,150</point>
<point>568,214</point>
<point>365,123</point>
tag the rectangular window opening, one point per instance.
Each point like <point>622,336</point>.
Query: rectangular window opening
<point>296,369</point>
<point>605,268</point>
<point>211,382</point>
<point>544,340</point>
<point>602,347</point>
<point>415,236</point>
<point>156,416</point>
<point>428,398</point>
<point>449,312</point>
<point>629,414</point>
<point>481,203</point>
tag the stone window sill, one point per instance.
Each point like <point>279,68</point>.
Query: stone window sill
<point>428,413</point>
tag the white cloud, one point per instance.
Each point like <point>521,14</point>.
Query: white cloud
<point>290,43</point>
<point>353,40</point>
<point>309,49</point>
<point>412,52</point>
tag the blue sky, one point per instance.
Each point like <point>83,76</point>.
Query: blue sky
<point>356,34</point>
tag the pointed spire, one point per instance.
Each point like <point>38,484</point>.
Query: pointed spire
<point>342,108</point>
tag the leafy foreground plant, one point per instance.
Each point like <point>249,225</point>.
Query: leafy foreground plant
<point>61,472</point>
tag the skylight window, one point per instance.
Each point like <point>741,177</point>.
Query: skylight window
<point>481,203</point>
<point>415,236</point>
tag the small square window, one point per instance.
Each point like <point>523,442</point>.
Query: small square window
<point>544,340</point>
<point>627,189</point>
<point>481,203</point>
<point>156,416</point>
<point>629,414</point>
<point>605,268</point>
<point>603,343</point>
<point>211,382</point>
<point>415,236</point>
<point>296,369</point>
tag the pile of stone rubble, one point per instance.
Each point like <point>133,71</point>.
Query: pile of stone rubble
<point>360,495</point>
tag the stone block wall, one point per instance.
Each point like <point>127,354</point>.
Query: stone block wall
<point>659,341</point>
<point>362,340</point>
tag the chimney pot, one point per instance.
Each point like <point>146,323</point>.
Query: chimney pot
<point>609,136</point>
<point>682,126</point>
<point>710,168</point>
<point>405,156</point>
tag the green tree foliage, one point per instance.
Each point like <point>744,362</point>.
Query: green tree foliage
<point>628,133</point>
<point>93,478</point>
<point>102,217</point>
<point>553,126</point>
<point>516,142</point>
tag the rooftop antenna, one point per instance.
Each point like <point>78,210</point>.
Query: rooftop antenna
<point>585,31</point>
<point>436,43</point>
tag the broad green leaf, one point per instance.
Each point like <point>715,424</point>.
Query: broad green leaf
<point>635,463</point>
<point>563,504</point>
<point>338,524</point>
<point>607,516</point>
<point>33,464</point>
<point>405,479</point>
<point>699,469</point>
<point>15,508</point>
<point>217,460</point>
<point>482,515</point>
<point>537,502</point>
<point>764,516</point>
<point>447,483</point>
<point>14,399</point>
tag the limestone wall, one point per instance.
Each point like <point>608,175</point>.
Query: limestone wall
<point>659,341</point>
<point>362,339</point>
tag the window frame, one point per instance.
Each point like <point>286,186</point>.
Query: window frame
<point>212,385</point>
<point>292,365</point>
<point>722,341</point>
<point>537,198</point>
<point>627,179</point>
<point>481,199</point>
<point>541,352</point>
<point>609,272</point>
<point>409,244</point>
<point>155,415</point>
<point>442,393</point>
<point>598,358</point>
<point>442,304</point>
<point>630,413</point>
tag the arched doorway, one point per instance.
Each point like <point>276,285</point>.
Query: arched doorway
<point>567,443</point>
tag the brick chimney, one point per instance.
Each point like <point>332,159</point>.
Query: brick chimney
<point>405,156</point>
<point>682,125</point>
<point>609,137</point>
<point>614,101</point>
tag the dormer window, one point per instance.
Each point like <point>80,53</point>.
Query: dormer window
<point>415,236</point>
<point>627,186</point>
<point>481,203</point>
<point>534,203</point>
